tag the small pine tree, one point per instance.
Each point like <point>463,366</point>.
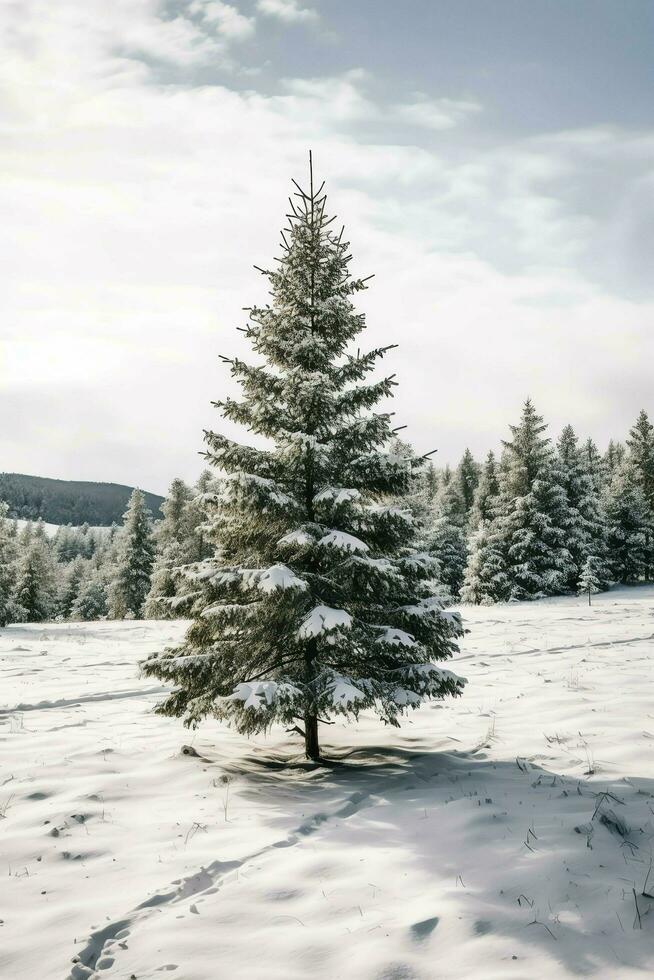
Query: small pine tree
<point>8,554</point>
<point>485,580</point>
<point>641,454</point>
<point>487,493</point>
<point>36,584</point>
<point>315,604</point>
<point>25,536</point>
<point>613,459</point>
<point>173,550</point>
<point>446,539</point>
<point>205,490</point>
<point>538,561</point>
<point>532,514</point>
<point>467,476</point>
<point>629,526</point>
<point>429,480</point>
<point>594,464</point>
<point>415,499</point>
<point>584,523</point>
<point>71,584</point>
<point>91,603</point>
<point>589,581</point>
<point>134,560</point>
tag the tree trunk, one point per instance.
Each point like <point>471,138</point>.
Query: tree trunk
<point>311,736</point>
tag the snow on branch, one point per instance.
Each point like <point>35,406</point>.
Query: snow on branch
<point>297,538</point>
<point>396,637</point>
<point>323,619</point>
<point>263,695</point>
<point>276,578</point>
<point>344,541</point>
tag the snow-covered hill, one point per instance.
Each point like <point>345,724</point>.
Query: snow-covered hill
<point>507,834</point>
<point>51,529</point>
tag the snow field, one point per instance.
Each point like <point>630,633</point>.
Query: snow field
<point>446,849</point>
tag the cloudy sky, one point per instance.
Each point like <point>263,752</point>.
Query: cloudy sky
<point>493,161</point>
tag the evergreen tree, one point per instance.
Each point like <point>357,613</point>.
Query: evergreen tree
<point>485,580</point>
<point>36,584</point>
<point>446,539</point>
<point>629,526</point>
<point>8,610</point>
<point>532,513</point>
<point>315,604</point>
<point>25,536</point>
<point>613,459</point>
<point>594,464</point>
<point>589,580</point>
<point>134,560</point>
<point>641,453</point>
<point>38,531</point>
<point>429,478</point>
<point>487,493</point>
<point>63,543</point>
<point>584,524</point>
<point>467,476</point>
<point>538,561</point>
<point>205,490</point>
<point>415,498</point>
<point>72,580</point>
<point>173,538</point>
<point>91,603</point>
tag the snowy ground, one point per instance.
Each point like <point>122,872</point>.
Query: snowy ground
<point>445,850</point>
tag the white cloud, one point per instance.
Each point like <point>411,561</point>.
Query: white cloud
<point>288,11</point>
<point>230,22</point>
<point>436,113</point>
<point>133,209</point>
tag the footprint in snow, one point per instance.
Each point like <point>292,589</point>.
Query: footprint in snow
<point>420,930</point>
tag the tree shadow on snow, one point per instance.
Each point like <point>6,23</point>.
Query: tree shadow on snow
<point>534,857</point>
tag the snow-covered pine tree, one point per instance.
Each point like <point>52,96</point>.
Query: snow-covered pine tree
<point>36,583</point>
<point>613,458</point>
<point>316,604</point>
<point>63,544</point>
<point>590,582</point>
<point>485,574</point>
<point>25,536</point>
<point>200,543</point>
<point>532,513</point>
<point>72,577</point>
<point>486,497</point>
<point>8,554</point>
<point>415,497</point>
<point>485,580</point>
<point>467,476</point>
<point>135,558</point>
<point>641,453</point>
<point>585,527</point>
<point>91,603</point>
<point>594,465</point>
<point>629,526</point>
<point>172,535</point>
<point>429,480</point>
<point>446,537</point>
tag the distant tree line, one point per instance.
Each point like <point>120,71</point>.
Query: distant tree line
<point>539,519</point>
<point>87,573</point>
<point>542,518</point>
<point>34,498</point>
